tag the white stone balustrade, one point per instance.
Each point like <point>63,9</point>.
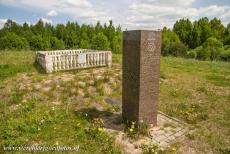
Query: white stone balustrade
<point>53,61</point>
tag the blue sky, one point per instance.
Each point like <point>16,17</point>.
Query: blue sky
<point>130,14</point>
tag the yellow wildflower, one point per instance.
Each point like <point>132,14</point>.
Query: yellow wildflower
<point>131,129</point>
<point>100,129</point>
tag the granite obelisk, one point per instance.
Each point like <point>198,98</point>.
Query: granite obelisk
<point>141,69</point>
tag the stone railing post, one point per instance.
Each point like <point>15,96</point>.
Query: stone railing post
<point>49,64</point>
<point>109,59</point>
<point>66,59</point>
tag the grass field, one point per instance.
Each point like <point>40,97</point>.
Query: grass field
<point>40,109</point>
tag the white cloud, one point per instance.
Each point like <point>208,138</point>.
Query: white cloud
<point>44,4</point>
<point>146,14</point>
<point>2,22</point>
<point>78,9</point>
<point>131,14</point>
<point>52,13</point>
<point>74,3</point>
<point>225,17</point>
<point>45,20</point>
<point>170,2</point>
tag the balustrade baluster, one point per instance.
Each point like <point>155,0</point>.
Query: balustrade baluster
<point>68,59</point>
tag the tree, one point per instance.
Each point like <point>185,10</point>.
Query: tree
<point>25,27</point>
<point>71,37</point>
<point>214,46</point>
<point>225,55</point>
<point>48,31</point>
<point>100,42</point>
<point>227,40</point>
<point>26,33</point>
<point>56,44</point>
<point>205,28</point>
<point>228,29</point>
<point>39,43</point>
<point>171,44</point>
<point>192,54</point>
<point>38,28</point>
<point>195,36</point>
<point>202,54</point>
<point>44,36</point>
<point>98,28</point>
<point>183,28</point>
<point>218,28</point>
<point>60,31</point>
<point>84,37</point>
<point>116,44</point>
<point>13,41</point>
<point>12,26</point>
<point>226,47</point>
<point>177,49</point>
<point>109,31</point>
<point>84,44</point>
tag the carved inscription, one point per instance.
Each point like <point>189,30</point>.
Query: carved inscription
<point>150,43</point>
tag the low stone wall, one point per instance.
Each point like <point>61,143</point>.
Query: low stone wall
<point>59,60</point>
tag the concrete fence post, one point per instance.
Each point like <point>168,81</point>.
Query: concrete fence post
<point>109,59</point>
<point>49,64</point>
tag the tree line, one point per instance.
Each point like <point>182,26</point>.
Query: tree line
<point>44,36</point>
<point>203,39</point>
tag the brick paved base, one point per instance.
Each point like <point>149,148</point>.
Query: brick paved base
<point>168,131</point>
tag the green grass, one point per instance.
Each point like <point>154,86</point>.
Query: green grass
<point>43,124</point>
<point>12,63</point>
<point>197,92</point>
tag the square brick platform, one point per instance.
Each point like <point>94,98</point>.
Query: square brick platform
<point>168,131</point>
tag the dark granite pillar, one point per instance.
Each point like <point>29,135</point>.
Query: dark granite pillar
<point>141,69</point>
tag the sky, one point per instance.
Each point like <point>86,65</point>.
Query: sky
<point>130,14</point>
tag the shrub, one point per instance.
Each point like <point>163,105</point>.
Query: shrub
<point>177,49</point>
<point>84,44</point>
<point>39,43</point>
<point>203,53</point>
<point>13,41</point>
<point>225,55</point>
<point>227,40</point>
<point>213,47</point>
<point>56,44</point>
<point>100,42</point>
<point>168,38</point>
<point>116,44</point>
<point>226,47</point>
<point>192,54</point>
